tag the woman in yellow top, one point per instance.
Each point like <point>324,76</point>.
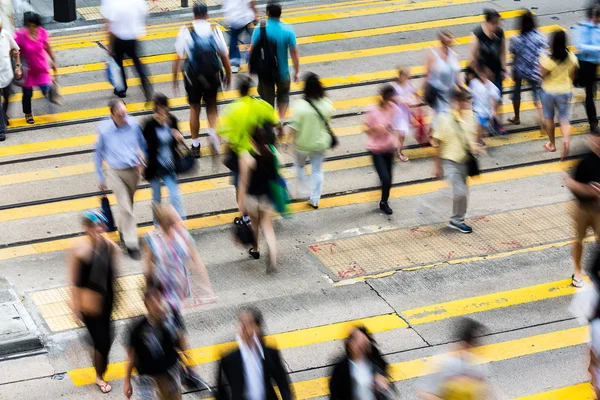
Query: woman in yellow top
<point>558,70</point>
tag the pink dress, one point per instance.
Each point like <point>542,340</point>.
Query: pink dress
<point>382,123</point>
<point>37,70</point>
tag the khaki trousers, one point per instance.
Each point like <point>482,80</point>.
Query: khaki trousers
<point>124,183</point>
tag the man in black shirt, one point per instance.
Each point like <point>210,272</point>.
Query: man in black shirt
<point>585,185</point>
<point>488,48</point>
<point>152,350</point>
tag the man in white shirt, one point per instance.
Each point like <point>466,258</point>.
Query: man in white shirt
<point>239,15</point>
<point>205,54</point>
<point>8,49</point>
<point>126,23</point>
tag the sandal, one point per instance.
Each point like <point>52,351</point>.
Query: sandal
<point>29,119</point>
<point>514,121</point>
<point>550,149</point>
<point>578,283</point>
<point>402,157</point>
<point>105,387</point>
<point>254,254</point>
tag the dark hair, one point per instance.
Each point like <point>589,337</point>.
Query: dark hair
<point>113,103</point>
<point>313,89</point>
<point>160,100</point>
<point>255,314</point>
<point>200,10</point>
<point>469,330</point>
<point>153,287</point>
<point>591,9</point>
<point>558,46</point>
<point>274,9</point>
<point>244,83</point>
<point>527,22</point>
<point>387,92</point>
<point>361,329</point>
<point>31,18</point>
<point>491,15</point>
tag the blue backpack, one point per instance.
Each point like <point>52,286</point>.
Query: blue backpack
<point>204,61</point>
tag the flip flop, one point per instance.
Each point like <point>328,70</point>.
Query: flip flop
<point>402,157</point>
<point>547,147</point>
<point>105,388</point>
<point>514,121</point>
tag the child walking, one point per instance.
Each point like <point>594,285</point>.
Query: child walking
<point>486,97</point>
<point>405,98</point>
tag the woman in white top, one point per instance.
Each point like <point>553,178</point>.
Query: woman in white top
<point>8,49</point>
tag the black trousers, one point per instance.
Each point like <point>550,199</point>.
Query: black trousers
<point>5,93</point>
<point>121,48</point>
<point>383,165</point>
<point>587,71</point>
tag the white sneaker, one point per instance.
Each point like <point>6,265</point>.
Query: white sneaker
<point>235,70</point>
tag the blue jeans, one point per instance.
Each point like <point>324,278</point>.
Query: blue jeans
<point>170,181</point>
<point>316,165</point>
<point>28,93</point>
<point>234,38</point>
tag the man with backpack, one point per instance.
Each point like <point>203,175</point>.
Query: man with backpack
<point>206,53</point>
<point>269,58</point>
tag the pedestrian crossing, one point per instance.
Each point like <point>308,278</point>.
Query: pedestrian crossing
<point>357,259</point>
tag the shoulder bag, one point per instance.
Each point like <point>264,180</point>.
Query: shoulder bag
<point>334,140</point>
<point>472,163</point>
<point>184,160</point>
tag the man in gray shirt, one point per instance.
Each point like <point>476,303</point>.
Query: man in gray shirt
<point>122,146</point>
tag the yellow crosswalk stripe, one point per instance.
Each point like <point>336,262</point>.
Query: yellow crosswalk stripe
<point>329,202</point>
<point>582,391</point>
<point>333,15</point>
<point>337,331</point>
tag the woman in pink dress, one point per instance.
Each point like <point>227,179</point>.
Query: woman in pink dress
<point>35,51</point>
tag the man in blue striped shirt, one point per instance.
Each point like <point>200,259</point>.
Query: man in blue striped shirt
<point>122,146</point>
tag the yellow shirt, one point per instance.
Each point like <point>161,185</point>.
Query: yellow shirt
<point>456,133</point>
<point>558,80</point>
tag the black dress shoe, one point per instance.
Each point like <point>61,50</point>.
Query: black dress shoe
<point>134,254</point>
<point>385,207</point>
<point>2,136</point>
<point>121,95</point>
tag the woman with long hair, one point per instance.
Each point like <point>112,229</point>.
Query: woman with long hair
<point>309,126</point>
<point>257,170</point>
<point>526,49</point>
<point>382,141</point>
<point>558,70</point>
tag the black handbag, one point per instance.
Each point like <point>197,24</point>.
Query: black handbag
<point>107,212</point>
<point>431,95</point>
<point>472,163</point>
<point>184,160</point>
<point>243,231</point>
<point>232,161</point>
<point>334,140</point>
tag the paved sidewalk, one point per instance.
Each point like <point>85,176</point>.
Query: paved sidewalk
<point>18,333</point>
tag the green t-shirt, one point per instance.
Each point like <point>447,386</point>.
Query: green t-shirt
<point>311,131</point>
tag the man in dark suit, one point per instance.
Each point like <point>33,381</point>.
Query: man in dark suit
<point>250,370</point>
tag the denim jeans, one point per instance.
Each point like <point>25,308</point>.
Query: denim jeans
<point>234,38</point>
<point>28,93</point>
<point>316,165</point>
<point>559,101</point>
<point>170,181</point>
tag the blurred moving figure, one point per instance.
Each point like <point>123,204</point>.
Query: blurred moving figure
<point>239,15</point>
<point>488,48</point>
<point>382,141</point>
<point>247,373</point>
<point>125,24</point>
<point>588,54</point>
<point>92,263</point>
<point>526,48</point>
<point>257,171</point>
<point>310,129</point>
<point>169,250</point>
<point>558,71</point>
<point>362,372</point>
<point>406,97</point>
<point>461,375</point>
<point>9,51</point>
<point>585,185</point>
<point>594,321</point>
<point>152,350</point>
<point>486,97</point>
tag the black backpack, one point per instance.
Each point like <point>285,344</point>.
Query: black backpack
<point>204,62</point>
<point>263,60</point>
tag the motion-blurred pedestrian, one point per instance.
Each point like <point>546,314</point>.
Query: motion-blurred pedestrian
<point>488,48</point>
<point>486,97</point>
<point>454,141</point>
<point>9,50</point>
<point>247,372</point>
<point>125,24</point>
<point>7,16</point>
<point>257,171</point>
<point>35,50</point>
<point>153,348</point>
<point>240,15</point>
<point>92,264</point>
<point>443,73</point>
<point>121,145</point>
<point>205,52</point>
<point>162,135</point>
<point>382,141</point>
<point>461,375</point>
<point>585,185</point>
<point>526,49</point>
<point>588,53</point>
<point>170,249</point>
<point>310,129</point>
<point>361,373</point>
<point>284,39</point>
<point>406,98</point>
<point>558,70</point>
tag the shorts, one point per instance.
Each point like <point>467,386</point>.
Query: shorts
<point>164,386</point>
<point>255,204</point>
<point>207,91</point>
<point>483,121</point>
<point>586,217</point>
<point>266,91</point>
<point>560,101</point>
<point>535,89</point>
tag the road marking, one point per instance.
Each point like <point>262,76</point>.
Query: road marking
<point>285,340</point>
<point>582,391</point>
<point>329,202</point>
